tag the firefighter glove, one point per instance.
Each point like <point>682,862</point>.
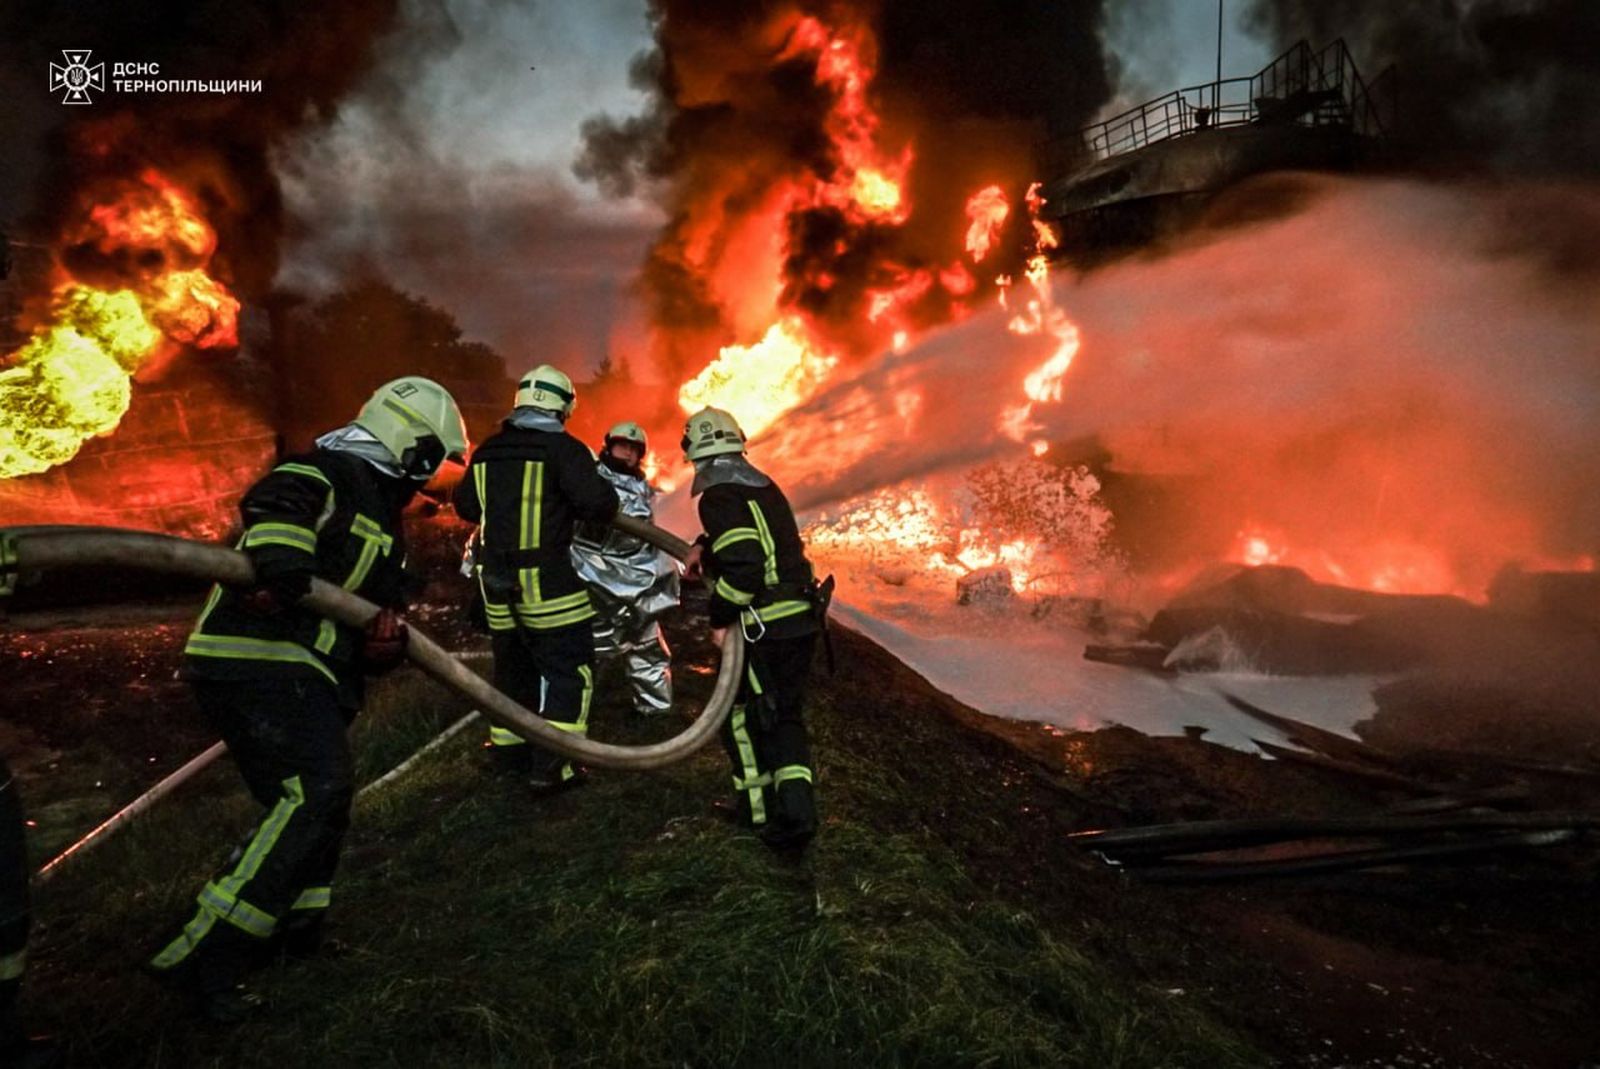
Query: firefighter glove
<point>384,646</point>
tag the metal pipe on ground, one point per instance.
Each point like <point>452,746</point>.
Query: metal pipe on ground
<point>192,767</point>
<point>431,745</point>
<point>121,817</point>
<point>1208,835</point>
<point>1348,860</point>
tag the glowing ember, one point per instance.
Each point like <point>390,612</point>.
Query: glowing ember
<point>759,382</point>
<point>987,210</point>
<point>71,380</point>
<point>1256,550</point>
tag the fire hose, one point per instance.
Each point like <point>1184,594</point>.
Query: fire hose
<point>26,551</point>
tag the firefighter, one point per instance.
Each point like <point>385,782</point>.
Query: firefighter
<point>526,488</point>
<point>631,583</point>
<point>763,583</point>
<point>281,684</point>
<point>17,1048</point>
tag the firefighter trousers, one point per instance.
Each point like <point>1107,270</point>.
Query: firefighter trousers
<point>551,671</point>
<point>622,630</point>
<point>289,739</point>
<point>13,904</point>
<point>766,740</point>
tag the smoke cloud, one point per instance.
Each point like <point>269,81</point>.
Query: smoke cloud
<point>1505,85</point>
<point>219,145</point>
<point>745,108</point>
<point>445,174</point>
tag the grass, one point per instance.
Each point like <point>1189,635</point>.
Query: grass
<point>625,924</point>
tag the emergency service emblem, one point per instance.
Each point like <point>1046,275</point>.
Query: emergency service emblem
<point>77,77</point>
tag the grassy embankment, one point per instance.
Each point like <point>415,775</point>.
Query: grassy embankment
<point>626,924</point>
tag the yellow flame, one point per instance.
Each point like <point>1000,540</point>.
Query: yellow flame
<point>71,380</point>
<point>987,210</point>
<point>759,382</point>
<point>916,529</point>
<point>876,194</point>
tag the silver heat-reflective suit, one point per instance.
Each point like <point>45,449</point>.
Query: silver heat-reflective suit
<point>631,584</point>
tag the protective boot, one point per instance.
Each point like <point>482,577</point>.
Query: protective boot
<point>563,778</point>
<point>510,759</point>
<point>220,963</point>
<point>303,936</point>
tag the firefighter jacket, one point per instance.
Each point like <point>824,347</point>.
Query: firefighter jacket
<point>526,488</point>
<point>757,562</point>
<point>629,569</point>
<point>329,514</point>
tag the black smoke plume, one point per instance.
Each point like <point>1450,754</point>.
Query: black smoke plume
<point>219,145</point>
<point>1506,86</point>
<point>980,92</point>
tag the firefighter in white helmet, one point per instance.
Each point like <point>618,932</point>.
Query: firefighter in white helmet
<point>281,683</point>
<point>631,582</point>
<point>526,488</point>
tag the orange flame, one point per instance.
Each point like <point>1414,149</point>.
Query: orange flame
<point>1038,314</point>
<point>987,210</point>
<point>759,382</point>
<point>870,184</point>
<point>71,381</point>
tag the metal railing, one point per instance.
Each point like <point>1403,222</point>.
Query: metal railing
<point>1301,87</point>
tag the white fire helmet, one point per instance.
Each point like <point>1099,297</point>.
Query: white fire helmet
<point>547,388</point>
<point>711,432</point>
<point>418,421</point>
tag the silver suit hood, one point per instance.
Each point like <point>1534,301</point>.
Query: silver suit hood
<point>625,567</point>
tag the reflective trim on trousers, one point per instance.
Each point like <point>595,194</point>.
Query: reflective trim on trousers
<point>549,622</point>
<point>313,898</point>
<point>220,901</point>
<point>752,770</point>
<point>236,911</point>
<point>581,725</point>
<point>499,736</point>
<point>791,772</point>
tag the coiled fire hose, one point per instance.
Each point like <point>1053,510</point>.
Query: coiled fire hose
<point>25,551</point>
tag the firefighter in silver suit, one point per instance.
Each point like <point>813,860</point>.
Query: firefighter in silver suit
<point>631,583</point>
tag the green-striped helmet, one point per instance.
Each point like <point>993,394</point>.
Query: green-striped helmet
<point>418,421</point>
<point>548,388</point>
<point>711,432</point>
